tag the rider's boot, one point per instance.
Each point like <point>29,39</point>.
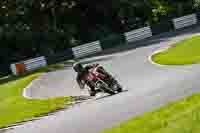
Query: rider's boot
<point>92,91</point>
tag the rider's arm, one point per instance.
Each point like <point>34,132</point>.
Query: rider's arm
<point>102,70</point>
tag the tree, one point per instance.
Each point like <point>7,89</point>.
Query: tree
<point>196,4</point>
<point>159,8</point>
<point>181,6</point>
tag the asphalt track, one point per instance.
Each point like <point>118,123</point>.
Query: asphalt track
<point>148,86</point>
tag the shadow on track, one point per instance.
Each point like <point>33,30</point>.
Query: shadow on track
<point>102,97</point>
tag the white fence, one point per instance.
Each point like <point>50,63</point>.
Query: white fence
<point>185,21</point>
<point>94,47</point>
<point>35,63</point>
<point>13,69</point>
<point>138,34</point>
<point>28,65</point>
<point>86,49</point>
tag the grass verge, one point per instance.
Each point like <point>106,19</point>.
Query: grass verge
<point>183,52</point>
<point>15,108</point>
<point>182,116</point>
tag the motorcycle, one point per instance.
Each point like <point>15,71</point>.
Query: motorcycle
<point>101,83</point>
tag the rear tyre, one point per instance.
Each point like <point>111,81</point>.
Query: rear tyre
<point>92,93</point>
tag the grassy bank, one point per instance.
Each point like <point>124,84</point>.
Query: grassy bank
<point>15,108</point>
<point>184,52</point>
<point>182,116</point>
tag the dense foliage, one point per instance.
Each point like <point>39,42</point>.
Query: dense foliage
<point>43,27</point>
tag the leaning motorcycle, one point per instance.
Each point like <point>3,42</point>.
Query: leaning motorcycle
<point>103,84</point>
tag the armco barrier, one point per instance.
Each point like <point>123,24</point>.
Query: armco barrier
<point>112,41</point>
<point>86,49</point>
<point>35,63</point>
<point>138,34</point>
<point>14,69</point>
<point>28,65</point>
<point>185,21</point>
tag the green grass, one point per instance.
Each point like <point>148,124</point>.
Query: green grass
<point>15,108</point>
<point>184,52</point>
<point>182,116</point>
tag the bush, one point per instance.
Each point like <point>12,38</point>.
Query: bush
<point>112,40</point>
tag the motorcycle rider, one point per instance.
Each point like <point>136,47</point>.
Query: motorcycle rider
<point>81,71</point>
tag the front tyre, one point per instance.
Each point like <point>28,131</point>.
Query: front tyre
<point>103,86</point>
<point>117,87</point>
<point>119,90</point>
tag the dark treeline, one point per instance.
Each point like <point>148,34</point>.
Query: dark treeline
<point>30,28</point>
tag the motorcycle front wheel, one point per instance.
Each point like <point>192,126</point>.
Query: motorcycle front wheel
<point>105,88</point>
<point>116,86</point>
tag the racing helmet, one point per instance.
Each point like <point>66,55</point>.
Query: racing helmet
<point>78,67</point>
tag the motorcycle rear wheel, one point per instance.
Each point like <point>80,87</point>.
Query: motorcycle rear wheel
<point>92,93</point>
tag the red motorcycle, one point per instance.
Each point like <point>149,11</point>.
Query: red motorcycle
<point>103,82</point>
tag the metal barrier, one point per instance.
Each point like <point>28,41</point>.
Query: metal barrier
<point>95,47</point>
<point>86,49</point>
<point>138,34</point>
<point>35,63</point>
<point>28,65</point>
<point>185,21</point>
